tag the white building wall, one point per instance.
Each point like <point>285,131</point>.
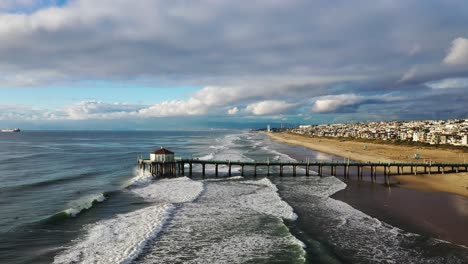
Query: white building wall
<point>161,157</point>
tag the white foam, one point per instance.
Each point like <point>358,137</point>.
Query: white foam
<point>83,204</point>
<point>320,187</point>
<point>176,190</point>
<point>227,225</point>
<point>140,178</point>
<point>279,155</point>
<point>207,157</point>
<point>225,179</point>
<point>362,237</point>
<point>266,200</point>
<point>219,147</point>
<point>240,249</point>
<point>117,240</point>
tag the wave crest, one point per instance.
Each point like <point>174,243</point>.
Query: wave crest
<point>84,203</point>
<point>118,240</point>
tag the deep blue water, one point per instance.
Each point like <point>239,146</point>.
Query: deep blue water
<point>75,196</point>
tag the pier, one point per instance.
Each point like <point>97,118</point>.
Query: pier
<point>178,167</point>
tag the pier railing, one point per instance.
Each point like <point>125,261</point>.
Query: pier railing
<point>178,166</point>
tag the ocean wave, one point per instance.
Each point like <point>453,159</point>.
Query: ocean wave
<point>228,223</point>
<point>266,200</point>
<point>53,181</point>
<point>207,157</point>
<point>225,179</point>
<point>218,147</point>
<point>76,207</point>
<point>357,236</point>
<point>19,157</point>
<point>117,240</point>
<point>279,155</point>
<point>176,190</point>
<point>84,203</point>
<point>140,178</point>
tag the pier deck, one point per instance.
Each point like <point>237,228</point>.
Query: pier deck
<point>177,167</point>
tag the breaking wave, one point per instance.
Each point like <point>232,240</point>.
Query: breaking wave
<point>117,240</point>
<point>177,190</point>
<point>84,203</point>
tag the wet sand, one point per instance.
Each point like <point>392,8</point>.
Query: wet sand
<point>361,151</point>
<point>455,183</point>
<point>436,214</point>
<point>419,209</point>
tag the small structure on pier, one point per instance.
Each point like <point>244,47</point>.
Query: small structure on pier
<point>161,163</point>
<point>162,155</point>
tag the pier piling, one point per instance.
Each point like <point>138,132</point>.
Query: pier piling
<point>175,168</point>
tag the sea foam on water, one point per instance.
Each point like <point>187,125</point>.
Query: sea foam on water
<point>177,190</point>
<point>117,240</point>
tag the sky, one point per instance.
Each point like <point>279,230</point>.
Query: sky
<point>200,64</point>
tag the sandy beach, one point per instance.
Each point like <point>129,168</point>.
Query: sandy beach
<point>434,205</point>
<point>367,151</point>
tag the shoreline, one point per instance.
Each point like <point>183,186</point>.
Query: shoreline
<point>424,211</point>
<point>374,152</point>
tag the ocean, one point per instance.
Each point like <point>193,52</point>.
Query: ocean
<point>78,197</point>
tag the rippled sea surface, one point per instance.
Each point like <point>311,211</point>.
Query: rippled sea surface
<point>78,197</point>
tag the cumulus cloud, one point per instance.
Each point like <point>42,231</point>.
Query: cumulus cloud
<point>458,53</point>
<point>348,102</point>
<point>234,52</point>
<point>269,107</point>
<point>334,102</point>
<point>215,43</point>
<point>233,111</point>
<point>220,96</point>
<point>449,83</point>
<point>93,109</point>
<point>175,108</point>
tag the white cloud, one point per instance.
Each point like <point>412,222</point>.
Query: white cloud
<point>332,103</point>
<point>349,102</point>
<point>458,53</point>
<point>93,109</point>
<point>220,96</point>
<point>233,111</point>
<point>409,74</point>
<point>449,83</point>
<point>223,39</point>
<point>189,107</point>
<point>269,107</point>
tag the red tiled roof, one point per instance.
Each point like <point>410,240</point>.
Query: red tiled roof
<point>162,151</point>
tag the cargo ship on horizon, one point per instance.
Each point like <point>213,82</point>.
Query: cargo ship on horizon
<point>10,130</point>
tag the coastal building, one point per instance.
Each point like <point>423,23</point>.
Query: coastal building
<point>162,155</point>
<point>452,131</point>
<point>443,139</point>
